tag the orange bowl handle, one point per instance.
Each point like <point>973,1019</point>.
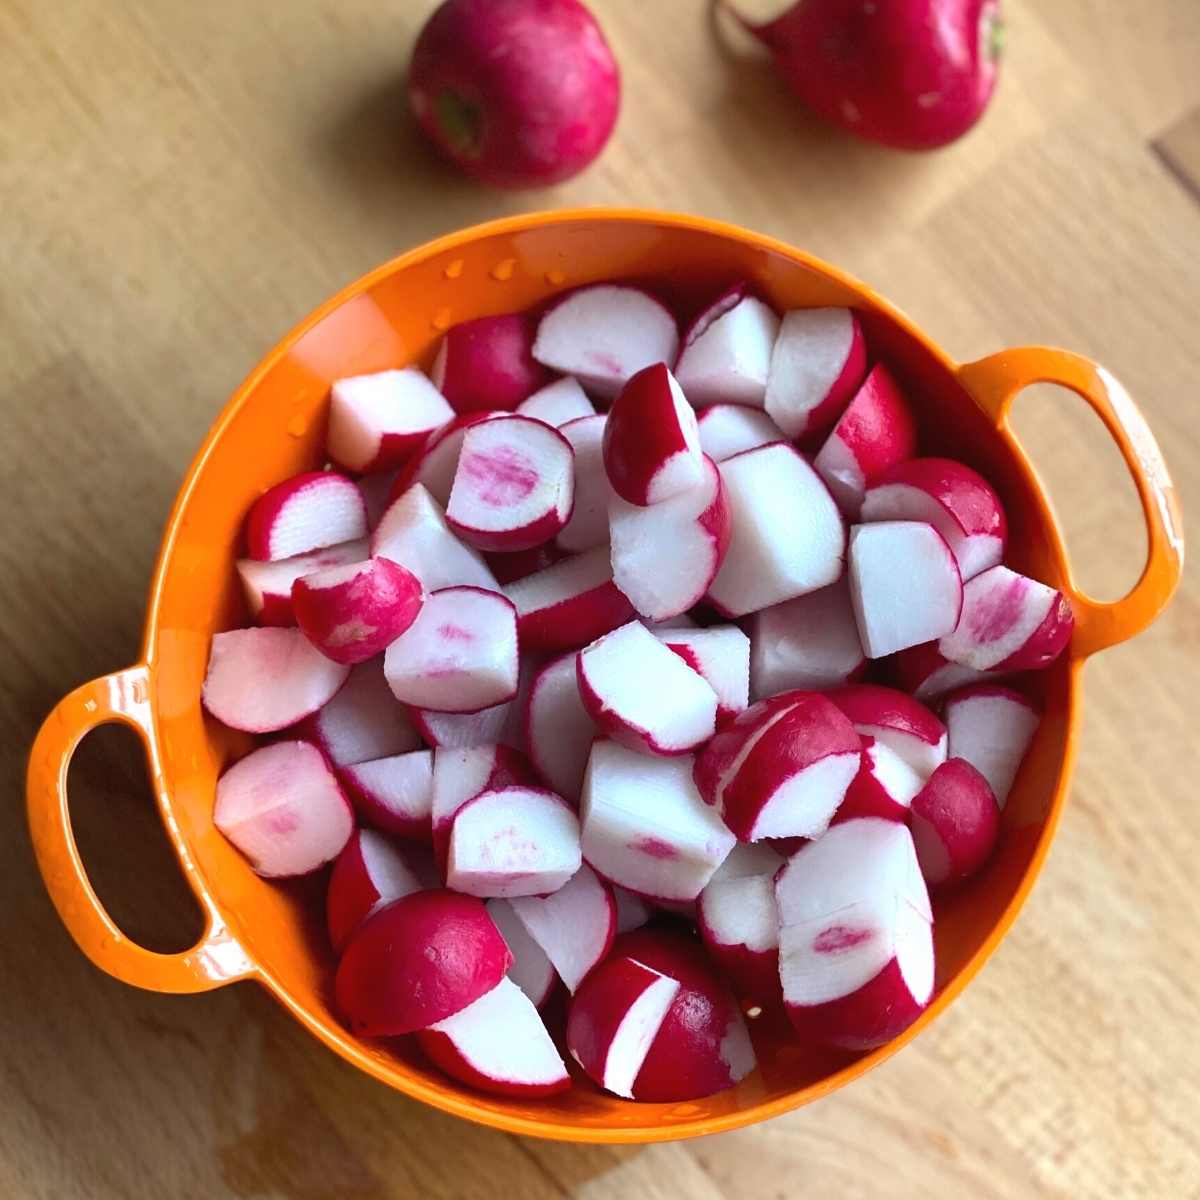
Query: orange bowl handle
<point>995,381</point>
<point>122,697</point>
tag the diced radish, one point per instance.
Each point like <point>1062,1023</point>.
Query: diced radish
<point>376,422</point>
<point>461,730</point>
<point>904,585</point>
<point>958,502</point>
<point>531,970</point>
<point>265,679</point>
<point>855,935</point>
<point>509,566</point>
<point>884,786</point>
<point>604,335</point>
<point>748,859</point>
<point>991,727</point>
<point>955,824</point>
<point>558,402</point>
<point>665,556</point>
<point>728,429</point>
<point>1009,623</point>
<point>434,464</point>
<point>727,351</point>
<point>487,363</point>
<point>818,361</point>
<point>558,728</point>
<point>719,654</point>
<point>876,432</point>
<point>268,585</point>
<point>632,911</point>
<point>281,806</point>
<point>645,827</point>
<point>923,671</point>
<point>588,526</point>
<point>740,926</point>
<point>515,484</point>
<point>304,513</point>
<point>901,723</point>
<point>418,961</point>
<point>459,655</point>
<point>788,536</point>
<point>393,794</point>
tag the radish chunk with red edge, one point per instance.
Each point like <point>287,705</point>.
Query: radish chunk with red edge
<point>304,513</point>
<point>991,727</point>
<point>955,824</point>
<point>788,536</point>
<point>376,422</point>
<point>268,585</point>
<point>434,464</point>
<point>265,679</point>
<point>486,363</point>
<point>515,484</point>
<point>818,361</point>
<point>884,786</point>
<point>558,728</point>
<point>632,911</point>
<point>720,655</point>
<point>558,403</point>
<point>459,730</point>
<point>855,935</point>
<point>588,526</point>
<point>904,585</point>
<point>459,655</point>
<point>901,723</point>
<point>418,961</point>
<point>923,671</point>
<point>727,351</point>
<point>531,970</point>
<point>393,794</point>
<point>281,806</point>
<point>728,429</point>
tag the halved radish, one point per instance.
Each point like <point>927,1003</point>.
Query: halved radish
<point>281,806</point>
<point>515,484</point>
<point>558,729</point>
<point>727,350</point>
<point>376,422</point>
<point>509,566</point>
<point>884,786</point>
<point>460,730</point>
<point>955,824</point>
<point>487,363</point>
<point>393,794</point>
<point>904,585</point>
<point>720,655</point>
<point>268,585</point>
<point>434,464</point>
<point>632,911</point>
<point>667,555</point>
<point>588,526</point>
<point>558,402</point>
<point>265,679</point>
<point>739,923</point>
<point>604,334</point>
<point>531,970</point>
<point>376,491</point>
<point>898,721</point>
<point>459,655</point>
<point>728,429</point>
<point>923,671</point>
<point>624,678</point>
<point>991,727</point>
<point>748,859</point>
<point>304,513</point>
<point>788,536</point>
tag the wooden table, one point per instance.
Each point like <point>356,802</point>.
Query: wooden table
<point>180,182</point>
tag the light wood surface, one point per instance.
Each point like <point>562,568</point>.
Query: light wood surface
<point>180,182</point>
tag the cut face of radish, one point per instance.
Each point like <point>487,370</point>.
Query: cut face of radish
<point>394,794</point>
<point>788,537</point>
<point>632,911</point>
<point>958,502</point>
<point>901,723</point>
<point>955,824</point>
<point>923,671</point>
<point>531,970</point>
<point>434,464</point>
<point>728,429</point>
<point>818,361</point>
<point>747,860</point>
<point>991,727</point>
<point>588,526</point>
<point>262,680</point>
<point>645,827</point>
<point>604,335</point>
<point>558,728</point>
<point>719,654</point>
<point>378,421</point>
<point>1009,623</point>
<point>740,928</point>
<point>727,351</point>
<point>558,402</point>
<point>460,730</point>
<point>904,585</point>
<point>459,655</point>
<point>884,786</point>
<point>515,484</point>
<point>281,806</point>
<point>665,557</point>
<point>623,680</point>
<point>307,512</point>
<point>486,363</point>
<point>268,585</point>
<point>517,841</point>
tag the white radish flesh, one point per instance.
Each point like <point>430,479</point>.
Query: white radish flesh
<point>558,403</point>
<point>558,728</point>
<point>728,429</point>
<point>434,464</point>
<point>268,585</point>
<point>726,353</point>
<point>720,655</point>
<point>394,794</point>
<point>460,775</point>
<point>632,911</point>
<point>305,513</point>
<point>588,526</point>
<point>377,421</point>
<point>992,728</point>
<point>531,970</point>
<point>901,723</point>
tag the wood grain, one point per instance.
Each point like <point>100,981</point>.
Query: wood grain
<point>180,182</point>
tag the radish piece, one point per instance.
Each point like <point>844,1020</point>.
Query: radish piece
<point>811,642</point>
<point>738,920</point>
<point>788,537</point>
<point>720,655</point>
<point>665,557</point>
<point>605,334</point>
<point>509,566</point>
<point>818,361</point>
<point>901,723</point>
<point>855,935</point>
<point>558,403</point>
<point>515,484</point>
<point>884,786</point>
<point>460,730</point>
<point>958,502</point>
<point>531,970</point>
<point>558,728</point>
<point>588,526</point>
<point>575,926</point>
<point>645,827</point>
<point>394,794</point>
<point>498,1044</point>
<point>728,429</point>
<point>746,860</point>
<point>1009,623</point>
<point>282,808</point>
<point>651,443</point>
<point>268,585</point>
<point>516,841</point>
<point>955,824</point>
<point>376,422</point>
<point>876,432</point>
<point>569,604</point>
<point>923,671</point>
<point>727,351</point>
<point>486,363</point>
<point>265,679</point>
<point>434,464</point>
<point>355,612</point>
<point>625,676</point>
<point>904,585</point>
<point>304,513</point>
<point>632,911</point>
<point>418,961</point>
<point>461,775</point>
<point>991,727</point>
<point>459,655</point>
<point>414,533</point>
<point>369,873</point>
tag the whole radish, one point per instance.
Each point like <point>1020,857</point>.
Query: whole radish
<point>517,93</point>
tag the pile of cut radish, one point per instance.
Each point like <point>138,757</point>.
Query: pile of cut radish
<point>605,662</point>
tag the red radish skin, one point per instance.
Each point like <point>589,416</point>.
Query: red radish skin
<point>509,566</point>
<point>923,671</point>
<point>720,655</point>
<point>558,403</point>
<point>903,724</point>
<point>884,786</point>
<point>531,970</point>
<point>955,824</point>
<point>558,728</point>
<point>305,513</point>
<point>377,422</point>
<point>268,585</point>
<point>992,728</point>
<point>588,526</point>
<point>434,464</point>
<point>728,429</point>
<point>727,350</point>
<point>486,364</point>
<point>393,794</point>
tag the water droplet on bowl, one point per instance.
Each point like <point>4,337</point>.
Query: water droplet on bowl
<point>298,425</point>
<point>555,278</point>
<point>504,269</point>
<point>442,319</point>
<point>454,269</point>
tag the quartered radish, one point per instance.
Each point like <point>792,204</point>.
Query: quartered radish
<point>898,721</point>
<point>460,730</point>
<point>558,729</point>
<point>307,512</point>
<point>487,363</point>
<point>531,970</point>
<point>632,911</point>
<point>727,351</point>
<point>393,794</point>
<point>434,464</point>
<point>558,402</point>
<point>720,655</point>
<point>884,786</point>
<point>728,429</point>
<point>268,585</point>
<point>923,671</point>
<point>376,422</point>
<point>588,526</point>
<point>991,727</point>
<point>955,824</point>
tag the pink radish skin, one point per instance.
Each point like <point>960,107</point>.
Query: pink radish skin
<point>268,585</point>
<point>991,728</point>
<point>377,422</point>
<point>558,728</point>
<point>721,656</point>
<point>737,919</point>
<point>588,526</point>
<point>263,680</point>
<point>923,671</point>
<point>955,824</point>
<point>901,723</point>
<point>632,911</point>
<point>531,970</point>
<point>510,566</point>
<point>727,350</point>
<point>728,429</point>
<point>393,794</point>
<point>418,961</point>
<point>434,464</point>
<point>558,403</point>
<point>305,513</point>
<point>485,364</point>
<point>884,786</point>
<point>281,806</point>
